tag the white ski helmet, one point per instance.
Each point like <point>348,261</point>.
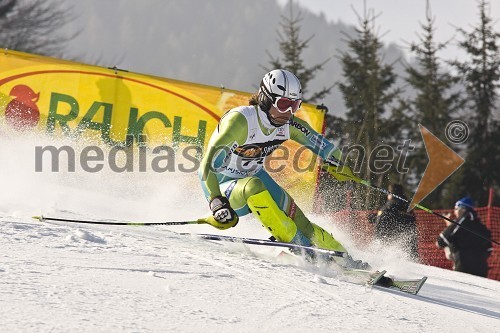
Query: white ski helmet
<point>281,89</point>
<point>281,83</point>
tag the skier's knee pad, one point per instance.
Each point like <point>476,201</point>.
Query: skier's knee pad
<point>252,186</point>
<point>241,190</point>
<point>323,239</point>
<point>271,216</point>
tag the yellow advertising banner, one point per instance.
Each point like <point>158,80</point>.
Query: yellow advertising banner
<point>120,108</point>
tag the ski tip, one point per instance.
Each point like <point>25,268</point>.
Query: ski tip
<point>39,218</point>
<point>420,284</point>
<point>375,277</point>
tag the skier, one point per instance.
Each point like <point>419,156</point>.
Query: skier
<point>232,173</point>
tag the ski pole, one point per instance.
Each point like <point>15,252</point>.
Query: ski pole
<point>383,190</point>
<point>44,218</point>
<point>267,242</point>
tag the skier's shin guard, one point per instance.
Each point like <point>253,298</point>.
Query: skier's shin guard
<point>272,217</point>
<point>298,230</point>
<point>323,239</point>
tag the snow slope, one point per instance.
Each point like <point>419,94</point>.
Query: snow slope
<point>92,278</point>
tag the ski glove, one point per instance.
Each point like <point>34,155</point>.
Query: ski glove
<point>223,215</point>
<point>338,170</point>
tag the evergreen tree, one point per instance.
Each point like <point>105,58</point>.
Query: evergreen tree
<point>368,93</point>
<point>6,7</point>
<point>291,47</point>
<point>32,26</point>
<point>481,74</point>
<point>437,100</point>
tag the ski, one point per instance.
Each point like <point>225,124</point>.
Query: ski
<point>375,278</point>
<point>365,277</point>
<point>378,279</point>
<point>309,250</point>
<point>369,277</point>
<point>408,286</point>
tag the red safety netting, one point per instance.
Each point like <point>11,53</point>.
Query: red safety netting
<point>429,227</point>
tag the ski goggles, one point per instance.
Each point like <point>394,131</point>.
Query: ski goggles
<point>284,104</point>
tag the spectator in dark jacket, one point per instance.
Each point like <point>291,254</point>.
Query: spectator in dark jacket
<point>395,225</point>
<point>468,252</point>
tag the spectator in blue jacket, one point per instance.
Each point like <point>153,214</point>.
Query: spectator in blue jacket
<point>468,252</point>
